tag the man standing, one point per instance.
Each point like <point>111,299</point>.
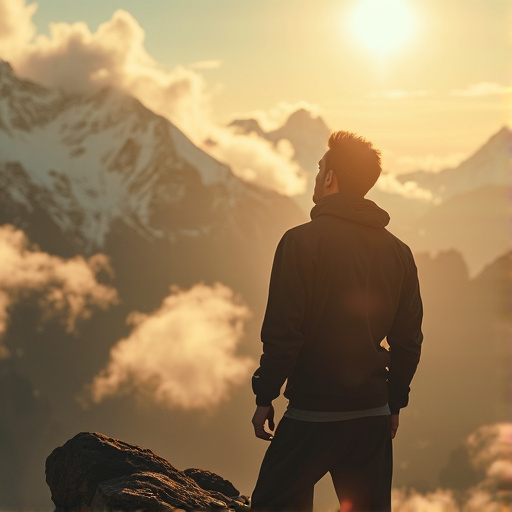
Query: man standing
<point>343,327</point>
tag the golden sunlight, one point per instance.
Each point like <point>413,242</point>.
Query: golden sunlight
<point>382,25</point>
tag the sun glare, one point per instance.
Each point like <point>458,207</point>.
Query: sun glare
<point>382,25</point>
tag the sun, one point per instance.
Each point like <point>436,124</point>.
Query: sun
<point>382,25</point>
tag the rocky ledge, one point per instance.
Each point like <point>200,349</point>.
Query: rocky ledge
<point>97,473</point>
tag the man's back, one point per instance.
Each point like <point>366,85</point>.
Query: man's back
<point>342,277</point>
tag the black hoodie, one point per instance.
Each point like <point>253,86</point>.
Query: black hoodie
<point>340,285</point>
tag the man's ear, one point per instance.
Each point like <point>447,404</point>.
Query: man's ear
<point>331,180</point>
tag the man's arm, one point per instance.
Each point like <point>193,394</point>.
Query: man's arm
<point>405,339</point>
<point>282,330</point>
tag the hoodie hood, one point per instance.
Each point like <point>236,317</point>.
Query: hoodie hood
<point>353,208</point>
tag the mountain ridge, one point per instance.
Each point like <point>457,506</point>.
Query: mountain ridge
<point>110,158</point>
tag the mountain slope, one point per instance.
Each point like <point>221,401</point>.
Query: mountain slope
<point>103,173</point>
<point>490,165</point>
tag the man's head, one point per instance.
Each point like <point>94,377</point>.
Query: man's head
<point>350,165</point>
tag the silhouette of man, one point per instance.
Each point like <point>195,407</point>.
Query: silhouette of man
<point>343,327</point>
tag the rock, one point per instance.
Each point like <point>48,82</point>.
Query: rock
<point>212,482</point>
<point>101,473</point>
<point>151,492</point>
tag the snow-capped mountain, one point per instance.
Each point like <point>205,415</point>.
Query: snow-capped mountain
<point>490,165</point>
<point>92,161</point>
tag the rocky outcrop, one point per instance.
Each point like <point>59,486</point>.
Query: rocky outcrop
<point>97,472</point>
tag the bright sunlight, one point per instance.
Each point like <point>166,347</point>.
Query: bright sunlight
<point>382,25</point>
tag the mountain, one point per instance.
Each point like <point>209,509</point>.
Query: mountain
<point>103,173</point>
<point>468,209</point>
<point>490,165</point>
<point>476,223</point>
<point>308,136</point>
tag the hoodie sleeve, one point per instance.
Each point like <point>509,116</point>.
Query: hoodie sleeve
<point>282,330</point>
<point>405,339</point>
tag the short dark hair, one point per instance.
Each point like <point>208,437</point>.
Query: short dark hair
<point>354,160</point>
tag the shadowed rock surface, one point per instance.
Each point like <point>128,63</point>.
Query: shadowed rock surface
<point>211,482</point>
<point>100,472</point>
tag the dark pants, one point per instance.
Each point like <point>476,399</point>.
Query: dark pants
<point>357,453</point>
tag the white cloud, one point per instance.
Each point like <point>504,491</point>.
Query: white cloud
<point>430,162</point>
<point>64,289</point>
<point>439,501</point>
<point>490,450</point>
<point>16,27</point>
<point>258,161</point>
<point>389,183</point>
<point>76,60</point>
<point>183,355</point>
<point>482,89</point>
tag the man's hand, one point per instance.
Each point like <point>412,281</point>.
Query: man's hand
<point>393,423</point>
<point>261,416</point>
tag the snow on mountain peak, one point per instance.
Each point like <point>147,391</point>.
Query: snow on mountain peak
<point>489,165</point>
<point>99,158</point>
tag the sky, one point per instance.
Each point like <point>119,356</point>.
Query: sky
<point>429,101</point>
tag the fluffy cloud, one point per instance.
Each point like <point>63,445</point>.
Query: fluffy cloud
<point>490,450</point>
<point>183,355</point>
<point>439,501</point>
<point>16,27</point>
<point>79,61</point>
<point>388,182</point>
<point>64,289</point>
<point>258,161</point>
<point>482,89</point>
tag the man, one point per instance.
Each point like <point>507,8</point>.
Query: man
<point>343,327</point>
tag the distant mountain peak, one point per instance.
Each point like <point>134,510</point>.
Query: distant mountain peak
<point>489,165</point>
<point>247,126</point>
<point>303,119</point>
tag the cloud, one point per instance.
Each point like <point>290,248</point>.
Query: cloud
<point>399,94</point>
<point>490,450</point>
<point>78,61</point>
<point>259,162</point>
<point>439,501</point>
<point>482,89</point>
<point>16,27</point>
<point>430,162</point>
<point>66,290</point>
<point>389,183</point>
<point>181,356</point>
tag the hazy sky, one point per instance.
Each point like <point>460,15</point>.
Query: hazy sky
<point>438,94</point>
